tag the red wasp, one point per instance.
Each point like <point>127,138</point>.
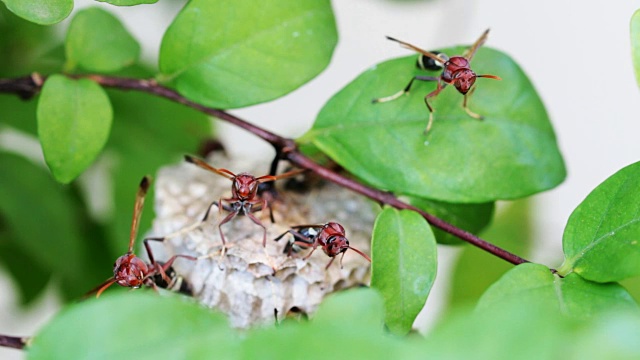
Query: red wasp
<point>330,237</point>
<point>129,270</point>
<point>457,71</point>
<point>244,199</point>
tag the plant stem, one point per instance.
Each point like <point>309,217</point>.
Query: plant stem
<point>30,85</point>
<point>13,342</point>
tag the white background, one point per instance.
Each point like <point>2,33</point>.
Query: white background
<point>577,53</point>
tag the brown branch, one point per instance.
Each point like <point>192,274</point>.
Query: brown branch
<point>30,85</point>
<point>13,341</point>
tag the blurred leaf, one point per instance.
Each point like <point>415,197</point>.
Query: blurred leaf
<point>97,41</point>
<point>74,120</point>
<point>128,2</point>
<point>42,218</point>
<point>19,113</point>
<point>404,265</point>
<point>614,336</point>
<point>235,53</point>
<point>348,325</point>
<point>511,154</point>
<point>635,43</point>
<point>475,269</point>
<point>532,284</point>
<point>134,325</point>
<point>21,42</point>
<point>470,217</point>
<point>514,331</point>
<point>28,276</point>
<point>602,239</point>
<point>43,12</point>
<point>148,132</point>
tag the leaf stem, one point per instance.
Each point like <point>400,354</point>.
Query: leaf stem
<point>28,86</point>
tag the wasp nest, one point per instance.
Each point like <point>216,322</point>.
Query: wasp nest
<point>251,281</point>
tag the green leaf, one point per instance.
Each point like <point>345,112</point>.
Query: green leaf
<point>43,12</point>
<point>512,332</point>
<point>128,2</point>
<point>234,53</point>
<point>475,269</point>
<point>41,217</point>
<point>602,239</point>
<point>74,120</point>
<point>512,153</point>
<point>97,41</point>
<point>635,43</point>
<point>134,325</point>
<point>614,336</point>
<point>404,265</point>
<point>533,285</point>
<point>29,283</point>
<point>470,217</point>
<point>348,325</point>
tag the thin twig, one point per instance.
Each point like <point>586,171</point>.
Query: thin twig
<point>13,341</point>
<point>285,146</point>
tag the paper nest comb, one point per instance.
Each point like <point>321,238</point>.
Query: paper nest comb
<point>242,284</point>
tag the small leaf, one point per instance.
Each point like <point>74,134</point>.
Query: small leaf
<point>128,2</point>
<point>230,54</point>
<point>43,12</point>
<point>602,239</point>
<point>635,43</point>
<point>404,265</point>
<point>470,217</point>
<point>533,285</point>
<point>512,153</point>
<point>134,325</point>
<point>74,120</point>
<point>97,41</point>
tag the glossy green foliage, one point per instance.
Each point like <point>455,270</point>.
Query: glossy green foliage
<point>74,121</point>
<point>511,154</point>
<point>602,239</point>
<point>533,285</point>
<point>43,12</point>
<point>128,2</point>
<point>404,265</point>
<point>635,43</point>
<point>134,325</point>
<point>469,217</point>
<point>475,269</point>
<point>234,53</point>
<point>97,41</point>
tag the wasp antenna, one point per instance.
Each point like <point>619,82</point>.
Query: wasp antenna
<point>361,253</point>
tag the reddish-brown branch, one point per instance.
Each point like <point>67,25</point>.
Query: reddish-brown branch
<point>30,85</point>
<point>13,342</point>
